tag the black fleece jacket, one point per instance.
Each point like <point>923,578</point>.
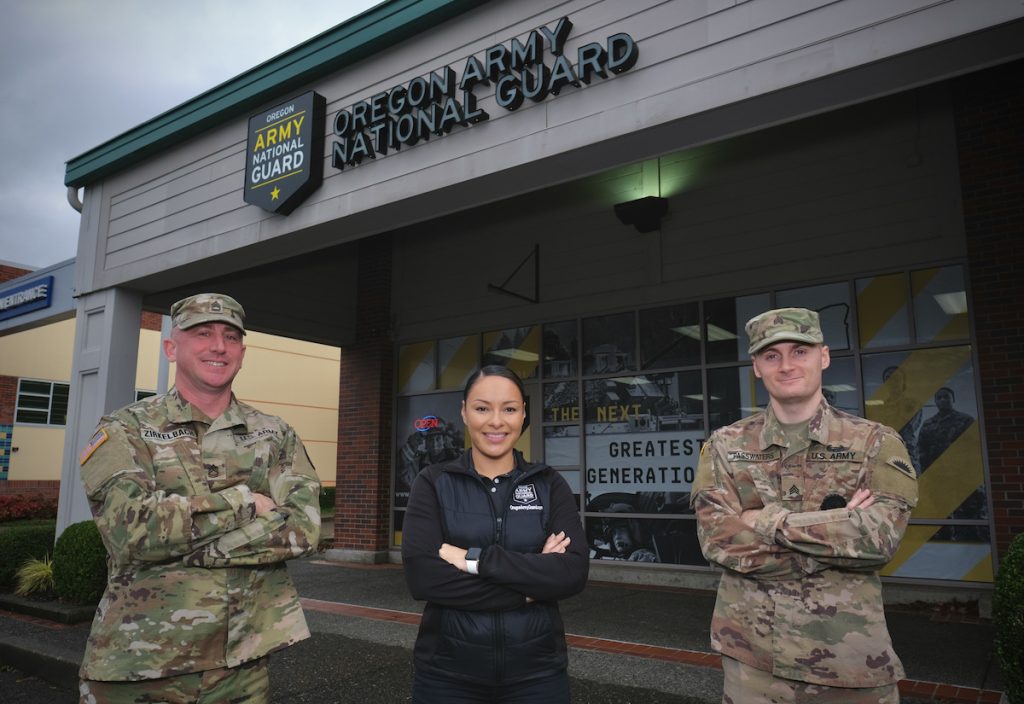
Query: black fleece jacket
<point>481,628</point>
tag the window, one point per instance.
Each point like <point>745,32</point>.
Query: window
<point>629,397</point>
<point>42,402</point>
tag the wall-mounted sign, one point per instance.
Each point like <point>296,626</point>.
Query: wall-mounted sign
<point>26,297</point>
<point>283,159</point>
<point>532,69</point>
<point>632,462</point>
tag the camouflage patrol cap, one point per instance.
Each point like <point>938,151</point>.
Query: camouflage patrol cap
<point>784,324</point>
<point>208,308</point>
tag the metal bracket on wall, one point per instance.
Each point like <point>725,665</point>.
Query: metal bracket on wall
<point>535,255</point>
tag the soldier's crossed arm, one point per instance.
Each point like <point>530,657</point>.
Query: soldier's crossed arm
<point>140,521</point>
<point>290,530</point>
<point>725,538</point>
<point>860,538</point>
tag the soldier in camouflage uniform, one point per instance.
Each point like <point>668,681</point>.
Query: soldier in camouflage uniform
<point>800,505</point>
<point>199,499</point>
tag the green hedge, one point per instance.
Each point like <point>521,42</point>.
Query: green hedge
<point>327,499</point>
<point>1008,615</point>
<point>80,564</point>
<point>19,543</point>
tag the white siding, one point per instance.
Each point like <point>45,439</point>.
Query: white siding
<point>186,204</point>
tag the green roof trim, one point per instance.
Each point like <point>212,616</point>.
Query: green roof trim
<point>371,32</point>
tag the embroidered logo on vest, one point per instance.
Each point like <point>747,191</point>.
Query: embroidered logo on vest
<point>525,494</point>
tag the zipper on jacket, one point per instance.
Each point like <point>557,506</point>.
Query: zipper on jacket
<point>499,539</point>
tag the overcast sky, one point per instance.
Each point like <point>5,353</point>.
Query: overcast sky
<point>76,73</point>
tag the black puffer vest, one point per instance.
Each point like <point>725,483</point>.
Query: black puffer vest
<point>493,647</point>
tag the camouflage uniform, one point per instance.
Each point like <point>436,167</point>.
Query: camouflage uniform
<point>800,596</point>
<point>197,580</point>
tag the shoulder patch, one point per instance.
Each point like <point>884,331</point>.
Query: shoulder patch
<point>902,465</point>
<point>705,477</point>
<point>892,472</point>
<point>98,439</point>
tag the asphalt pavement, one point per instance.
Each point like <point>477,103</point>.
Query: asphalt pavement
<point>628,645</point>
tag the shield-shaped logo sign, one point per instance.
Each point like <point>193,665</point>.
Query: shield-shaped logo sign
<point>284,156</point>
<point>524,494</point>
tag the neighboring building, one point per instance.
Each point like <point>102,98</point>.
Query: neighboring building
<point>290,378</point>
<point>600,194</point>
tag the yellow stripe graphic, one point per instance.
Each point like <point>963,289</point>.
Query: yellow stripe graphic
<point>943,487</point>
<point>877,303</point>
<point>952,477</point>
<point>982,571</point>
<point>409,359</point>
<point>463,361</point>
<point>924,372</point>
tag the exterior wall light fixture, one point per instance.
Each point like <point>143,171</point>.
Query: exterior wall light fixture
<point>644,214</point>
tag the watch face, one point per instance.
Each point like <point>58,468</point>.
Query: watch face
<point>473,554</point>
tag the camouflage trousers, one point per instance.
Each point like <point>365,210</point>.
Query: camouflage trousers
<point>248,683</point>
<point>748,685</point>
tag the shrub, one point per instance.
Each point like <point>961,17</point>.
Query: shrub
<point>15,507</point>
<point>19,543</point>
<point>80,564</point>
<point>327,499</point>
<point>35,576</point>
<point>1008,615</point>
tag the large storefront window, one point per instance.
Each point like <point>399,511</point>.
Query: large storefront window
<point>628,399</point>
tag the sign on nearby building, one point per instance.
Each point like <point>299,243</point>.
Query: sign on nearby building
<point>26,297</point>
<point>284,155</point>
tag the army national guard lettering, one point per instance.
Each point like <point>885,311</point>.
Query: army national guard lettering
<point>800,505</point>
<point>199,499</point>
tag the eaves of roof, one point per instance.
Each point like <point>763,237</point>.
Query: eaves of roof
<point>373,31</point>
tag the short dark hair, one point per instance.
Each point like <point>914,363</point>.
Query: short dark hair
<point>505,373</point>
<point>948,390</point>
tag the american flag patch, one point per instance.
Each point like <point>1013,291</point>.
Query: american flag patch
<point>98,439</point>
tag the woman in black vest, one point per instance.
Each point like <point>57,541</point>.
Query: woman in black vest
<point>492,542</point>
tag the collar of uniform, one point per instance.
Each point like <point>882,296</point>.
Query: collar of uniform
<point>178,409</point>
<point>817,427</point>
<point>181,411</point>
<point>231,417</point>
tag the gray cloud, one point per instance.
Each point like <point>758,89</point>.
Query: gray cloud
<point>74,74</point>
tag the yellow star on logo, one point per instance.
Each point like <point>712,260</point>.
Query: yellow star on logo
<point>275,193</point>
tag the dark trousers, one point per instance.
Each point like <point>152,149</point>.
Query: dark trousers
<point>433,689</point>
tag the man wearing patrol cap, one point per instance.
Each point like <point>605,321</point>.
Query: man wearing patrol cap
<point>199,499</point>
<point>801,504</point>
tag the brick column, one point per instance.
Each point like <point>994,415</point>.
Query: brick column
<point>8,402</point>
<point>364,415</point>
<point>8,398</point>
<point>989,114</point>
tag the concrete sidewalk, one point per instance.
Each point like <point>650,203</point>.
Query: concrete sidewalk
<point>629,645</point>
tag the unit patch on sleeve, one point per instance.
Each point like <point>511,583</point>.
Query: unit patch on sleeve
<point>901,464</point>
<point>98,439</point>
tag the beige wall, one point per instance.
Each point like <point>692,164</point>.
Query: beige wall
<point>289,378</point>
<point>297,381</point>
<point>41,353</point>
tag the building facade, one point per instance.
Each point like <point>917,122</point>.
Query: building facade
<point>599,195</point>
<point>282,376</point>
